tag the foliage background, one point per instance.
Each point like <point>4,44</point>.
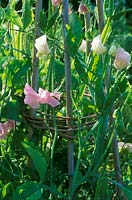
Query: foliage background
<point>37,168</point>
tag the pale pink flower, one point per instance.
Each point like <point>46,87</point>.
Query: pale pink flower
<point>112,50</point>
<point>34,99</point>
<point>83,46</point>
<point>49,98</point>
<point>82,9</point>
<point>122,59</point>
<point>42,46</point>
<point>6,127</point>
<point>97,45</point>
<point>56,2</point>
<point>31,98</point>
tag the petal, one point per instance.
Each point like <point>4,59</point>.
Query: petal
<point>32,98</point>
<point>49,98</point>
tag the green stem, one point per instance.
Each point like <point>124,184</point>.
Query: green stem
<point>117,164</point>
<point>52,151</point>
<point>74,186</point>
<point>68,94</point>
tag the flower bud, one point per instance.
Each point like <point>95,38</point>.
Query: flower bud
<point>112,50</point>
<point>41,46</point>
<point>83,46</point>
<point>56,2</point>
<point>97,45</point>
<point>82,9</point>
<point>122,59</point>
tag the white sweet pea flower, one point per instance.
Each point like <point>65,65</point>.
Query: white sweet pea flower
<point>97,45</point>
<point>112,50</point>
<point>42,46</point>
<point>83,46</point>
<point>122,59</point>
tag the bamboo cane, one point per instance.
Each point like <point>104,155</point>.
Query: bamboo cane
<point>68,94</point>
<point>35,62</point>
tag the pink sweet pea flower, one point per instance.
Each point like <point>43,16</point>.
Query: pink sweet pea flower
<point>31,98</point>
<point>82,9</point>
<point>5,128</point>
<point>56,2</point>
<point>49,98</point>
<point>34,99</point>
<point>122,59</point>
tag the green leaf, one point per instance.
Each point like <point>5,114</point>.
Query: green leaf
<point>26,14</point>
<point>2,14</point>
<point>29,191</point>
<point>52,19</point>
<point>20,73</point>
<point>109,100</point>
<point>0,84</point>
<point>12,110</point>
<point>14,17</point>
<point>38,160</point>
<point>99,95</point>
<point>5,189</point>
<point>73,34</point>
<point>59,70</point>
<point>117,15</point>
<point>53,190</point>
<point>80,67</point>
<point>128,193</point>
<point>106,31</point>
<point>42,20</point>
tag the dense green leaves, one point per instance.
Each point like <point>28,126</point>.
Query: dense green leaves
<point>81,70</point>
<point>74,34</point>
<point>29,190</point>
<point>43,20</point>
<point>13,109</point>
<point>14,17</point>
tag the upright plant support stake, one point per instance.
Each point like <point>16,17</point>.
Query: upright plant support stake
<point>35,69</point>
<point>35,63</point>
<point>68,94</point>
<point>99,4</point>
<point>87,27</point>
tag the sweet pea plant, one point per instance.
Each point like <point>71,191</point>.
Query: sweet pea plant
<point>65,108</point>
